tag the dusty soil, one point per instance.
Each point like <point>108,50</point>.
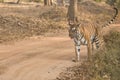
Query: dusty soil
<point>36,58</point>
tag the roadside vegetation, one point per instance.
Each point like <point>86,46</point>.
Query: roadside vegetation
<point>105,64</point>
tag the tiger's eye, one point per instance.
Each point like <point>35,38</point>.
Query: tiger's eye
<point>73,28</point>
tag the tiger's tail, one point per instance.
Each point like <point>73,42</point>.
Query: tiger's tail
<point>114,17</point>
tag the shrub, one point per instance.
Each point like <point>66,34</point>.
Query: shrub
<point>105,64</point>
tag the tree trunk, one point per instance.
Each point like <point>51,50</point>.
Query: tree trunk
<point>62,2</point>
<point>51,2</point>
<point>18,1</point>
<point>30,0</point>
<point>47,2</point>
<point>72,10</point>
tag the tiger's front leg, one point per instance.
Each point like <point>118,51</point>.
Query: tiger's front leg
<point>77,50</point>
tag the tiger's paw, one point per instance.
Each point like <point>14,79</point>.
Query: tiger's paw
<point>75,60</point>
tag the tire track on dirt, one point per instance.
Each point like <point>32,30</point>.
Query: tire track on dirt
<point>37,59</point>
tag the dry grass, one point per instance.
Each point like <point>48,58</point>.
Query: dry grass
<point>105,64</point>
<point>95,12</point>
<point>3,69</point>
<point>20,23</point>
<point>33,19</point>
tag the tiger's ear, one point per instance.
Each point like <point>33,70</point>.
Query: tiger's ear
<point>77,21</point>
<point>70,22</point>
<point>78,25</point>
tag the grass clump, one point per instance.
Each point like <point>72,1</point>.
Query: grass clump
<point>105,64</point>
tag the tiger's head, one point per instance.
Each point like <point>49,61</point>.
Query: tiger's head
<point>73,29</point>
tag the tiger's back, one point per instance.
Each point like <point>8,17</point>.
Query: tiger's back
<point>88,29</point>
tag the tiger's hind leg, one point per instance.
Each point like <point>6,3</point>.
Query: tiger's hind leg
<point>97,42</point>
<point>89,49</point>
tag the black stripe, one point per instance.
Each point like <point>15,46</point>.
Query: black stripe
<point>97,42</point>
<point>82,37</point>
<point>111,21</point>
<point>96,39</point>
<point>84,41</point>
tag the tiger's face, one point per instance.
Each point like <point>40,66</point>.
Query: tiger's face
<point>73,30</point>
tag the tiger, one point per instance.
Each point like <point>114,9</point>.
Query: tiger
<point>87,34</point>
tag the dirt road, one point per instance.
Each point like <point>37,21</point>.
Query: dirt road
<point>36,59</point>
